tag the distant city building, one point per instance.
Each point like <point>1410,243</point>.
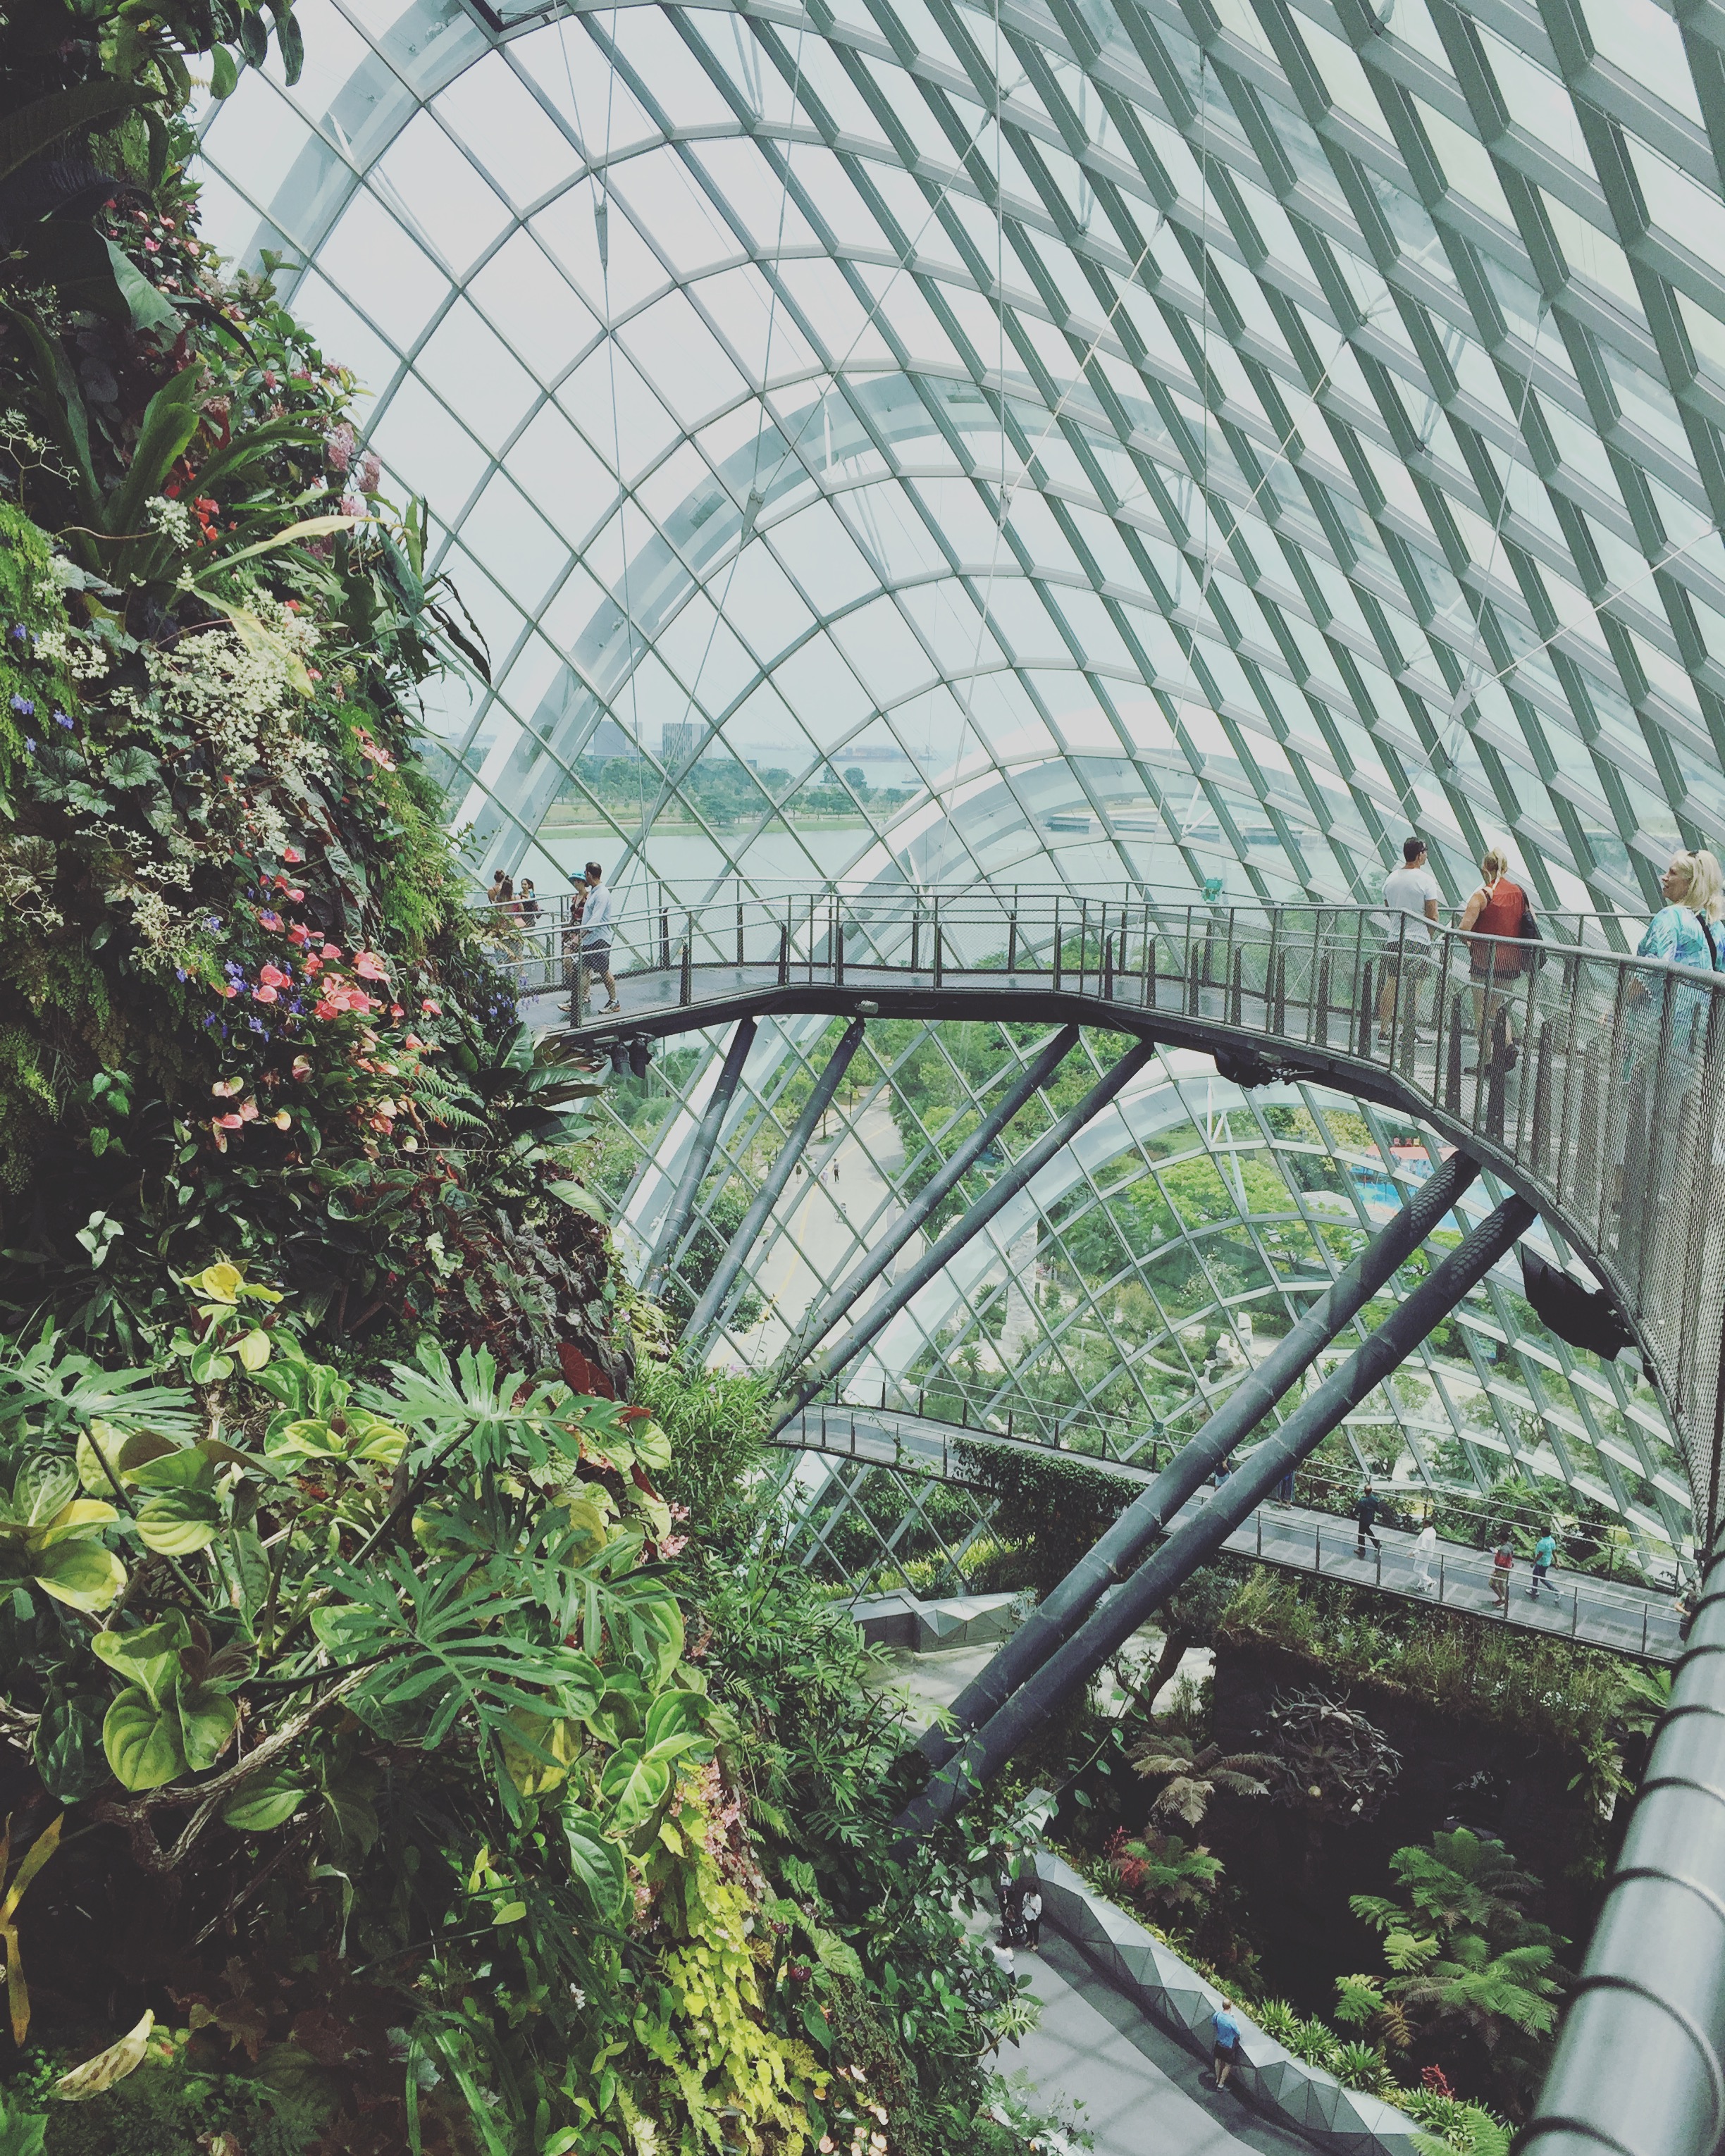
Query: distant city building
<point>610,740</point>
<point>678,743</point>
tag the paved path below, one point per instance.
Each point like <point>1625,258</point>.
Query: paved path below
<point>1143,2094</point>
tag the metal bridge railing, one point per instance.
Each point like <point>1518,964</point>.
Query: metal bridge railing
<point>1593,1079</point>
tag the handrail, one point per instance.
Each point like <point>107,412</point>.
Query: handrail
<point>1591,1080</point>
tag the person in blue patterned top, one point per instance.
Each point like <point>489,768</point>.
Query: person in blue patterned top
<point>1685,931</point>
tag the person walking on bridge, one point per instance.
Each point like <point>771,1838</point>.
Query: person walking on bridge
<point>1425,1550</point>
<point>1412,891</point>
<point>1545,1555</point>
<point>596,932</point>
<point>1225,2043</point>
<point>1365,1511</point>
<point>1496,920</point>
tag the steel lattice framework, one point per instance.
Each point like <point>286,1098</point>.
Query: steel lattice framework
<point>1097,444</point>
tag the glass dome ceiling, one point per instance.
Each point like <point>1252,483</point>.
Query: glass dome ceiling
<point>1266,424</point>
<point>1256,428</point>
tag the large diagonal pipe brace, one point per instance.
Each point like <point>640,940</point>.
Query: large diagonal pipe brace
<point>707,1310</point>
<point>700,1152</point>
<point>1068,1670</point>
<point>844,1297</point>
<point>1005,1187</point>
<point>1132,1534</point>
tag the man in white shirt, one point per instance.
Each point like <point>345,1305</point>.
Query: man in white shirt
<point>1425,1551</point>
<point>596,932</point>
<point>1411,890</point>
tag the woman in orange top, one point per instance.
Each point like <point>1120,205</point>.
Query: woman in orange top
<point>1496,910</point>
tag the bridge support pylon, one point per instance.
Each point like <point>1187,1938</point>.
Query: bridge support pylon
<point>1072,1665</point>
<point>1138,1528</point>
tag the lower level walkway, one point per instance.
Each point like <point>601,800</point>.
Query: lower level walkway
<point>1637,1622</point>
<point>1142,2093</point>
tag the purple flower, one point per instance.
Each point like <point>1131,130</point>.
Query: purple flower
<point>214,921</point>
<point>29,745</point>
<point>180,975</point>
<point>61,720</point>
<point>19,631</point>
<point>255,1024</point>
<point>24,707</point>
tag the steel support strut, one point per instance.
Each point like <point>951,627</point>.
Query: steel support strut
<point>1005,1187</point>
<point>1639,2065</point>
<point>707,1310</point>
<point>844,1297</point>
<point>1131,1535</point>
<point>700,1152</point>
<point>1072,1665</point>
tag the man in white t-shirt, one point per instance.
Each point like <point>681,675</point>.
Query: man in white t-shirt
<point>596,932</point>
<point>1411,890</point>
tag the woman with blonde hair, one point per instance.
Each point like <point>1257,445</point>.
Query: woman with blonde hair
<point>1685,931</point>
<point>1496,920</point>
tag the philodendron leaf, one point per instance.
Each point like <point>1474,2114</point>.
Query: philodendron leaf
<point>264,1803</point>
<point>596,1863</point>
<point>150,1656</point>
<point>635,1786</point>
<point>208,1718</point>
<point>74,1522</point>
<point>183,1467</point>
<point>253,1349</point>
<point>537,1750</point>
<point>68,1747</point>
<point>142,1740</point>
<point>176,1522</point>
<point>106,2068</point>
<point>43,1486</point>
<point>85,1575</point>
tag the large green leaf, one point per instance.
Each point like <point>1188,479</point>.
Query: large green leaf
<point>150,1656</point>
<point>142,1740</point>
<point>39,125</point>
<point>43,1486</point>
<point>85,1575</point>
<point>596,1863</point>
<point>635,1785</point>
<point>177,1522</point>
<point>676,1715</point>
<point>264,1803</point>
<point>180,1467</point>
<point>87,270</point>
<point>207,1716</point>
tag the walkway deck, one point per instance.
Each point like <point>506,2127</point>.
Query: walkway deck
<point>1633,1621</point>
<point>1144,2095</point>
<point>1608,1120</point>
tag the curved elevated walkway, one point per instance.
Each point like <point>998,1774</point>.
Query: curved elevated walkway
<point>1633,1621</point>
<point>1610,1118</point>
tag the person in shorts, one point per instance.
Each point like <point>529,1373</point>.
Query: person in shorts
<point>1502,1557</point>
<point>1411,890</point>
<point>596,932</point>
<point>1225,2043</point>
